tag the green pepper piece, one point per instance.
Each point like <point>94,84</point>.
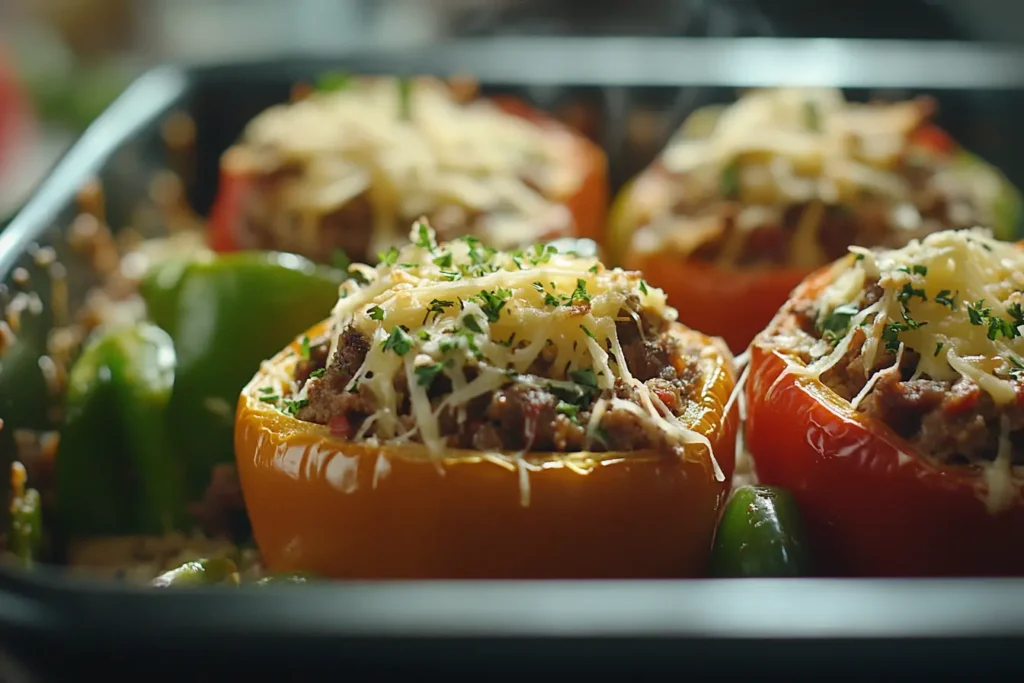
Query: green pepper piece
<point>116,468</point>
<point>25,535</point>
<point>226,315</point>
<point>286,579</point>
<point>203,572</point>
<point>761,535</point>
<point>1008,207</point>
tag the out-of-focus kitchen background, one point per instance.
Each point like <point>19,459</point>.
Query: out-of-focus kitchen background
<point>63,61</point>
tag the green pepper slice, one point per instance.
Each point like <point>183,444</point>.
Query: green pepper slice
<point>761,535</point>
<point>226,314</point>
<point>117,471</point>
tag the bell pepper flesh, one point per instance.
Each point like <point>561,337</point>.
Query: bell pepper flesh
<point>226,314</point>
<point>872,505</point>
<point>341,509</point>
<point>117,471</point>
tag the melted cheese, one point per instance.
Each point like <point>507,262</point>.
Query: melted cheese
<point>433,309</point>
<point>953,297</point>
<point>445,153</point>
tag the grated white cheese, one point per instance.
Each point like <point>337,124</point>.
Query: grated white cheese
<point>442,308</point>
<point>953,297</point>
<point>444,153</point>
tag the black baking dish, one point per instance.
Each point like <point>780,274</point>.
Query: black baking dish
<point>791,628</point>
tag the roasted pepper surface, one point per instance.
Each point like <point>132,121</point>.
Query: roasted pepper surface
<point>226,314</point>
<point>588,204</point>
<point>761,535</point>
<point>736,303</point>
<point>872,505</point>
<point>117,472</point>
<point>342,509</point>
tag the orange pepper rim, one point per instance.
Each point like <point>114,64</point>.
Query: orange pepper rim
<point>708,419</point>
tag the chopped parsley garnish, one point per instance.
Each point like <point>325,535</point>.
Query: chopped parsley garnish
<point>580,293</point>
<point>593,269</point>
<point>340,259</point>
<point>539,286</point>
<point>643,287</point>
<point>938,348</point>
<point>405,98</point>
<point>944,298</point>
<point>266,390</point>
<point>358,277</point>
<point>568,409</point>
<point>333,81</point>
<point>425,374</point>
<point>891,335</point>
<point>292,406</point>
<point>316,374</point>
<point>272,398</point>
<point>919,270</point>
<point>541,254</point>
<point>400,342</point>
<point>491,303</point>
<point>444,260</point>
<point>977,313</point>
<point>1016,312</point>
<point>508,342</point>
<point>998,326</point>
<point>424,240</point>
<point>437,307</point>
<point>730,184</point>
<point>424,335</point>
<point>835,325</point>
<point>389,257</point>
<point>375,313</point>
<point>812,119</point>
<point>550,300</point>
<point>304,347</point>
<point>587,332</point>
<point>585,376</point>
<point>472,324</point>
<point>451,275</point>
<point>908,292</point>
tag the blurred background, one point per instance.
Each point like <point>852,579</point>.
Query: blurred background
<point>63,61</point>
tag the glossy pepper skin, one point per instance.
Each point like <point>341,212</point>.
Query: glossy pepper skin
<point>872,505</point>
<point>736,303</point>
<point>340,509</point>
<point>761,535</point>
<point>117,471</point>
<point>588,204</point>
<point>226,314</point>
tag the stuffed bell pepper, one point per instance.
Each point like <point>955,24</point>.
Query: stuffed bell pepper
<point>888,396</point>
<point>349,167</point>
<point>749,199</point>
<point>466,412</point>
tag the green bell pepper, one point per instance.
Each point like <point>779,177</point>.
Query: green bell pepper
<point>228,313</point>
<point>117,471</point>
<point>760,535</point>
<point>204,572</point>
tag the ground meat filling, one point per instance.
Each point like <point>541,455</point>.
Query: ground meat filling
<point>951,422</point>
<point>527,414</point>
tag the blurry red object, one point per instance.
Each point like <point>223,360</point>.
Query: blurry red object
<point>16,114</point>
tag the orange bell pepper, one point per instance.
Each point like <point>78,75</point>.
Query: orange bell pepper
<point>342,509</point>
<point>873,506</point>
<point>588,203</point>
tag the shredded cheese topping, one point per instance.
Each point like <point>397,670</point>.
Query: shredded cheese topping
<point>778,148</point>
<point>430,309</point>
<point>955,298</point>
<point>413,148</point>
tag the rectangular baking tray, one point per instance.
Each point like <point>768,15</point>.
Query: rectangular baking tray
<point>792,628</point>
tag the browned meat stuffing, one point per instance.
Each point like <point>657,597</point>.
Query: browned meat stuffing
<point>952,422</point>
<point>525,415</point>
